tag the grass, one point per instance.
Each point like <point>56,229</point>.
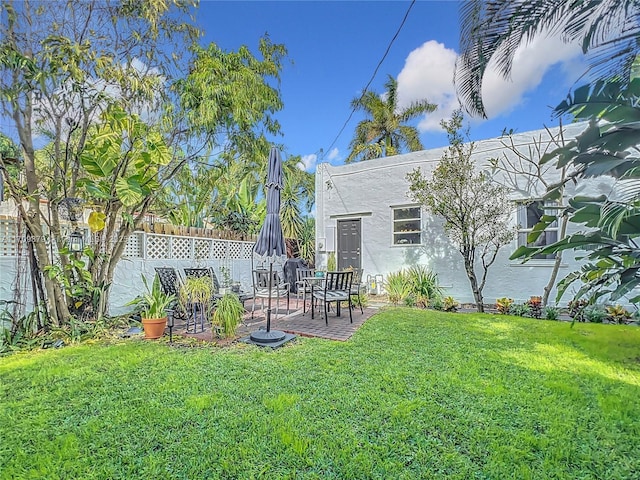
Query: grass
<point>414,394</point>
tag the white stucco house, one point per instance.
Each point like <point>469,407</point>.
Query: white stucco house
<point>364,215</point>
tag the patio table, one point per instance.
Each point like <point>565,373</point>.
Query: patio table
<point>311,283</point>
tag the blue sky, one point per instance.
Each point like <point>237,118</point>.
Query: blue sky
<point>334,48</point>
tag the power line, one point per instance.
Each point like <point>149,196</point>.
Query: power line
<point>353,110</point>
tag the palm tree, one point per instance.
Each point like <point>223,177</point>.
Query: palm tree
<point>386,132</point>
<point>608,29</point>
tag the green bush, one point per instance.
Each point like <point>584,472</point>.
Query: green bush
<point>424,285</point>
<point>449,304</point>
<point>594,313</point>
<point>520,309</point>
<point>503,305</point>
<point>551,313</point>
<point>228,314</point>
<point>398,287</point>
<point>617,314</point>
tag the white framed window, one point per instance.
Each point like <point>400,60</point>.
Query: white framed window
<point>529,214</point>
<point>407,225</point>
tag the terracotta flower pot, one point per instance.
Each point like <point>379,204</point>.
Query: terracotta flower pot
<point>154,327</point>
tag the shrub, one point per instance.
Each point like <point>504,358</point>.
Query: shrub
<point>449,304</point>
<point>331,262</point>
<point>535,306</point>
<point>576,309</point>
<point>504,305</point>
<point>424,284</point>
<point>436,303</point>
<point>228,314</point>
<point>594,313</point>
<point>551,313</point>
<point>410,301</point>
<point>618,314</point>
<point>398,287</point>
<point>520,309</point>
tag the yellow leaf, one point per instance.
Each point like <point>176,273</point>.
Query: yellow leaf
<point>96,221</point>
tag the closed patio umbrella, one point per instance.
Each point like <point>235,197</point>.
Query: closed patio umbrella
<point>270,246</point>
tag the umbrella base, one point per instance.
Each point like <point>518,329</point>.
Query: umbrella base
<point>273,338</point>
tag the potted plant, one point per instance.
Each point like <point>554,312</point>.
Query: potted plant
<point>225,287</point>
<point>196,290</point>
<point>197,293</point>
<point>228,314</point>
<point>154,304</point>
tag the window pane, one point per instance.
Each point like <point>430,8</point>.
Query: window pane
<point>402,213</point>
<point>406,239</point>
<point>528,216</point>
<point>406,226</point>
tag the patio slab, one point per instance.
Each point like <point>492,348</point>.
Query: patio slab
<point>295,323</point>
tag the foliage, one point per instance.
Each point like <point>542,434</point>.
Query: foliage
<point>520,309</point>
<point>153,302</point>
<point>228,314</point>
<point>608,147</point>
<point>522,171</point>
<point>385,133</point>
<point>307,241</point>
<point>504,305</point>
<point>424,285</point>
<point>617,314</point>
<point>226,276</point>
<point>424,375</point>
<point>196,290</point>
<point>449,304</point>
<point>576,309</point>
<point>18,332</point>
<point>331,262</point>
<point>8,148</point>
<point>595,313</point>
<point>492,31</point>
<point>476,211</point>
<point>535,306</point>
<point>551,313</point>
<point>96,81</point>
<point>398,287</point>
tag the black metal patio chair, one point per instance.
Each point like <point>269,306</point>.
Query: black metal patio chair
<point>170,283</point>
<point>337,288</point>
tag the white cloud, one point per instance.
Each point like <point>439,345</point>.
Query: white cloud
<point>333,154</point>
<point>309,162</point>
<point>428,74</point>
<point>530,63</point>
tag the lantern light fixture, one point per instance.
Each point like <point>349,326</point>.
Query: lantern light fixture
<point>76,242</point>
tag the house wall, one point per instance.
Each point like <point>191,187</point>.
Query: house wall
<point>368,190</point>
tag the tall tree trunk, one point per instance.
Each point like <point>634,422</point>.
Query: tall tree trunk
<point>473,280</point>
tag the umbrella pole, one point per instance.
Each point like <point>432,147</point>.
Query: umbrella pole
<point>269,301</point>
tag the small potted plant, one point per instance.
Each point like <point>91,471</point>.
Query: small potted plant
<point>197,293</point>
<point>228,314</point>
<point>225,287</point>
<point>154,304</point>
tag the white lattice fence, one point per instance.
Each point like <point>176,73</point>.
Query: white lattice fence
<point>157,246</point>
<point>219,249</point>
<point>143,245</point>
<point>181,247</point>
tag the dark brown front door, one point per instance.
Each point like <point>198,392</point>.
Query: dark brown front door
<point>349,238</point>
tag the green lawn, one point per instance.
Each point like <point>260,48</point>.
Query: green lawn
<point>414,394</point>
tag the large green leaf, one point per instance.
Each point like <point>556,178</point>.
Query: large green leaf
<point>129,191</point>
